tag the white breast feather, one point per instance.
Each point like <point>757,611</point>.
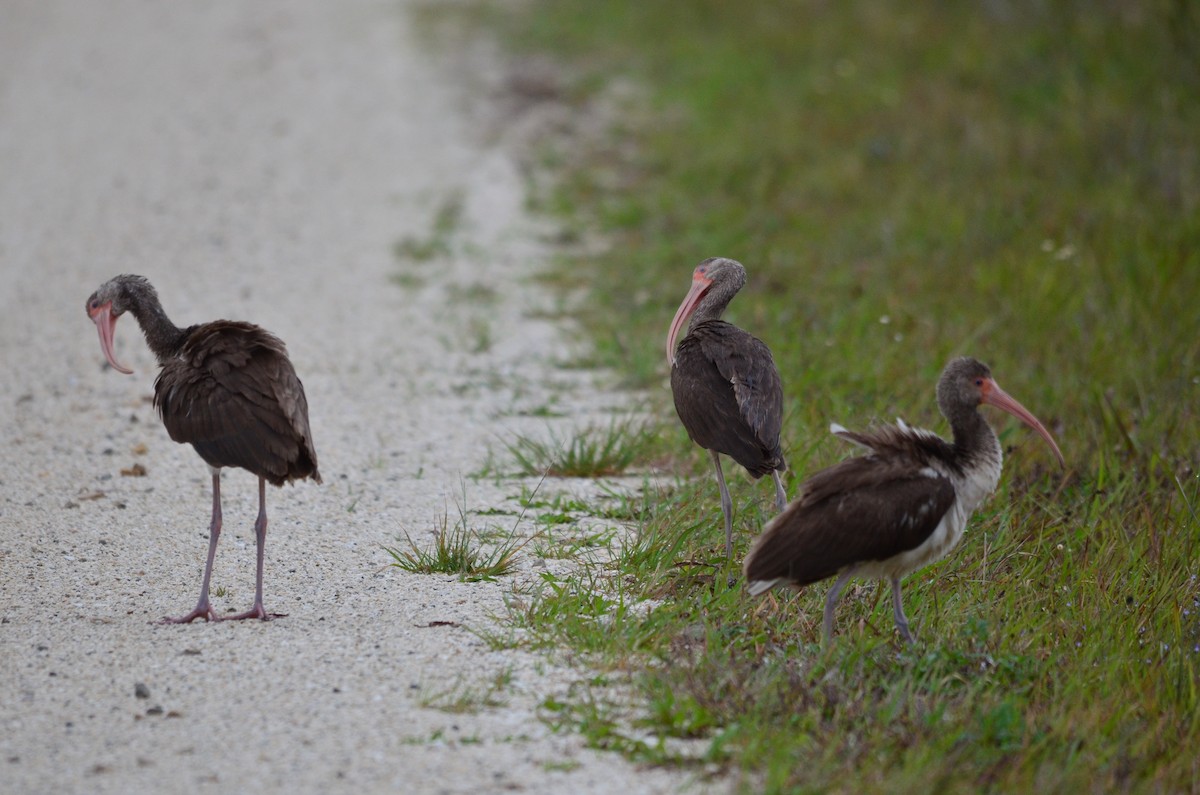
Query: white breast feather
<point>970,490</point>
<point>943,539</point>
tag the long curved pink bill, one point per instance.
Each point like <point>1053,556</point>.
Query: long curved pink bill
<point>995,396</point>
<point>681,315</point>
<point>105,325</point>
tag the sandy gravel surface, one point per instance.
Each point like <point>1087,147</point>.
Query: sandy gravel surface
<point>260,161</point>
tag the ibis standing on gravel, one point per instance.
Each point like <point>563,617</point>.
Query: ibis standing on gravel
<point>902,505</point>
<point>726,388</point>
<point>228,389</point>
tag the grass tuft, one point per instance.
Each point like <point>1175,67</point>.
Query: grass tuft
<point>459,550</point>
<point>596,451</point>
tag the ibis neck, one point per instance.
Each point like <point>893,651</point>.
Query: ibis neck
<point>978,459</point>
<point>711,308</point>
<point>975,443</point>
<point>163,336</point>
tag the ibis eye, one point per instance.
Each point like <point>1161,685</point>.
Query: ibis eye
<point>978,382</point>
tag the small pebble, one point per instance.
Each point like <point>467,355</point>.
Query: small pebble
<point>141,691</point>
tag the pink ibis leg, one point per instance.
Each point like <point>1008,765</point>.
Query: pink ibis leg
<point>831,600</point>
<point>203,609</point>
<point>901,619</point>
<point>780,494</point>
<point>726,504</point>
<point>260,536</point>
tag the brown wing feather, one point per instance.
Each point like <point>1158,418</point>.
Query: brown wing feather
<point>233,394</point>
<point>729,396</point>
<point>866,508</point>
<point>905,443</point>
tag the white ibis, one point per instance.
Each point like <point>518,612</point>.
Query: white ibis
<point>228,389</point>
<point>726,388</point>
<point>901,506</point>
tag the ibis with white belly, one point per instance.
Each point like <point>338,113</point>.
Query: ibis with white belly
<point>902,505</point>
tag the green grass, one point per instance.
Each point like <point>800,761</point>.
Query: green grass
<point>905,182</point>
<point>445,223</point>
<point>461,551</point>
<point>466,699</point>
<point>475,293</point>
<point>561,766</point>
<point>591,452</point>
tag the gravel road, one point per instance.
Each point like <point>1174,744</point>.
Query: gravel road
<point>261,161</point>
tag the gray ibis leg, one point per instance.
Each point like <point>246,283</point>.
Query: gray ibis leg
<point>203,608</point>
<point>780,494</point>
<point>260,536</point>
<point>726,504</point>
<point>901,619</point>
<point>831,600</point>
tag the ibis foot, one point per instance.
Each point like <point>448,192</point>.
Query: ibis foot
<point>255,612</point>
<point>203,610</point>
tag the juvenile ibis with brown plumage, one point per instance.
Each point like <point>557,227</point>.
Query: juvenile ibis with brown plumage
<point>228,389</point>
<point>727,391</point>
<point>902,505</point>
